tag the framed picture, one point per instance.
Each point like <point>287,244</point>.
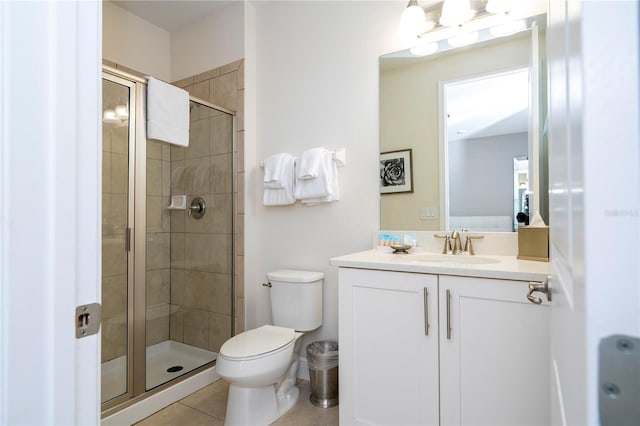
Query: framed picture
<point>395,172</point>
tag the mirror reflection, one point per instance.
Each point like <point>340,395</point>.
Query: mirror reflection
<point>471,118</point>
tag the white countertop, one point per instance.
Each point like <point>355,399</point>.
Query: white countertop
<point>503,267</point>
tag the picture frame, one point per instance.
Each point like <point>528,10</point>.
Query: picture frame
<point>396,172</point>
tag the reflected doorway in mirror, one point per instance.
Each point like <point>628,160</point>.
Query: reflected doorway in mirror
<point>395,172</point>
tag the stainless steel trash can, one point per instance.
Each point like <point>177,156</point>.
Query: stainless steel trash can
<point>322,358</point>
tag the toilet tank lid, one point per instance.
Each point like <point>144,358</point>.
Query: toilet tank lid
<point>293,276</point>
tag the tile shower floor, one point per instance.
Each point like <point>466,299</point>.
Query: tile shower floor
<point>160,358</point>
<point>208,407</point>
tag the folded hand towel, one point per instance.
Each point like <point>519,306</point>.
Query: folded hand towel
<point>311,162</point>
<point>277,171</point>
<point>167,112</point>
<point>285,195</point>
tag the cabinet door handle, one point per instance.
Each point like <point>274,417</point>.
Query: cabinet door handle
<point>426,312</point>
<point>448,314</point>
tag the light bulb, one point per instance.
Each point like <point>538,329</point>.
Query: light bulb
<point>121,112</point>
<point>508,28</point>
<point>455,12</point>
<point>109,116</point>
<point>463,39</point>
<point>424,49</point>
<point>498,6</point>
<point>413,21</point>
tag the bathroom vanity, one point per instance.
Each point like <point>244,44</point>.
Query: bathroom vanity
<point>429,339</point>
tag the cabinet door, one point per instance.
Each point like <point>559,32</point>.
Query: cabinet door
<point>388,362</point>
<point>494,364</point>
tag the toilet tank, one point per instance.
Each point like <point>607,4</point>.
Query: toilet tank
<point>296,299</point>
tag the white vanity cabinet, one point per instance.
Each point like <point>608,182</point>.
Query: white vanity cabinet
<point>495,360</point>
<point>484,361</point>
<point>388,328</point>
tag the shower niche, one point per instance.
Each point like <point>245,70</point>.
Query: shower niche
<point>167,267</point>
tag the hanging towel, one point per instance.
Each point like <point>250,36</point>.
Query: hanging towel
<point>277,171</point>
<point>333,189</point>
<point>286,178</point>
<point>311,162</point>
<point>320,189</point>
<point>167,112</point>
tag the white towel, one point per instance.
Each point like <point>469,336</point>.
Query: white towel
<point>277,173</point>
<point>324,187</point>
<point>167,112</point>
<point>333,189</point>
<point>285,195</point>
<point>310,163</point>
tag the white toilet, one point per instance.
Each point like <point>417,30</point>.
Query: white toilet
<point>261,365</point>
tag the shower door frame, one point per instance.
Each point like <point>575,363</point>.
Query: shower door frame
<point>131,308</point>
<point>136,310</point>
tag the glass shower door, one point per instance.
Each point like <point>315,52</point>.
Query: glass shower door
<point>117,161</point>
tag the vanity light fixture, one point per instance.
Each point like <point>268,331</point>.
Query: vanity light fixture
<point>498,6</point>
<point>424,49</point>
<point>458,21</point>
<point>463,39</point>
<point>508,28</point>
<point>413,21</point>
<point>455,12</point>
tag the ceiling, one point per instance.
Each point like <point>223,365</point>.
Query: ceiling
<point>497,105</point>
<point>172,15</point>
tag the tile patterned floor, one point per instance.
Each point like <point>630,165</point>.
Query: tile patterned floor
<point>208,406</point>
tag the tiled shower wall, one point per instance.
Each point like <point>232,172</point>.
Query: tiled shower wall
<point>188,262</point>
<point>224,86</point>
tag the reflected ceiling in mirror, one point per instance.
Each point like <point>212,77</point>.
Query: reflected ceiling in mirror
<point>412,116</point>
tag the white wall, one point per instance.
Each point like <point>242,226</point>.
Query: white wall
<point>131,41</point>
<point>215,40</point>
<point>316,84</point>
<point>481,174</point>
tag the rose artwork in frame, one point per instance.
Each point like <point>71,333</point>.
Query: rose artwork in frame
<point>395,172</point>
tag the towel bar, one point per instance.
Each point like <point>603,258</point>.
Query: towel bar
<point>339,156</point>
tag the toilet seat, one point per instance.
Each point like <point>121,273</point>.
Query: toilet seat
<point>257,343</point>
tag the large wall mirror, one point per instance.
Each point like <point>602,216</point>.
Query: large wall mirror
<point>473,119</point>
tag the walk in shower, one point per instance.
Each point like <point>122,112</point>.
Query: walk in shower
<point>167,243</point>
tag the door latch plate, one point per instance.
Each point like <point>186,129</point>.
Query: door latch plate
<point>87,320</point>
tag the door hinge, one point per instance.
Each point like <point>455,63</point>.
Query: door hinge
<point>87,320</point>
<point>619,380</point>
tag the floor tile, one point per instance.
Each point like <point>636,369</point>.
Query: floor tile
<point>211,399</point>
<point>208,407</point>
<point>178,414</point>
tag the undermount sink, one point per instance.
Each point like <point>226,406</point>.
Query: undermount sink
<point>453,258</point>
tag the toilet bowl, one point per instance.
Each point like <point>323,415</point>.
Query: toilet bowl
<point>260,366</point>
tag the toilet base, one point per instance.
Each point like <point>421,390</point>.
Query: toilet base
<point>258,406</point>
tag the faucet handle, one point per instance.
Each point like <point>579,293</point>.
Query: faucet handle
<point>468,247</point>
<point>446,242</point>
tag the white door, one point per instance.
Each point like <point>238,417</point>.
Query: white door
<point>50,59</point>
<point>594,196</point>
